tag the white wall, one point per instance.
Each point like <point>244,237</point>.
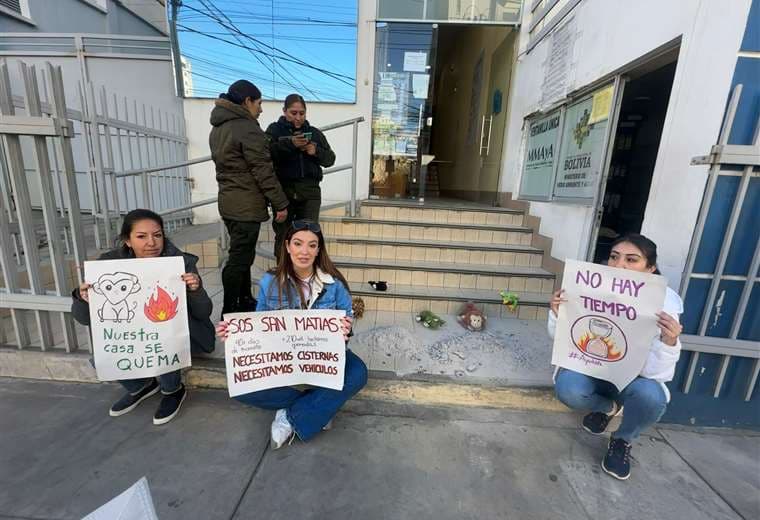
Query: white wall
<point>611,34</point>
<point>335,187</point>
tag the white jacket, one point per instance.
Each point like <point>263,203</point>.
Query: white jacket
<point>662,359</point>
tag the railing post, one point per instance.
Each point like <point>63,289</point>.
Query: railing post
<point>145,189</point>
<point>352,208</point>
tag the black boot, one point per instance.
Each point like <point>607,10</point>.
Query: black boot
<point>247,304</point>
<point>231,304</point>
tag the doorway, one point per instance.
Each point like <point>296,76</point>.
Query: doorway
<point>634,154</point>
<point>440,110</point>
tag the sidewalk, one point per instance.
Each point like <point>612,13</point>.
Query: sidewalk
<point>62,456</point>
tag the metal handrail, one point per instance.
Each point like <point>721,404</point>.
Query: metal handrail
<point>140,171</point>
<point>335,169</point>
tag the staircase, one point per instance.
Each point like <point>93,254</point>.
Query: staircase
<point>433,258</point>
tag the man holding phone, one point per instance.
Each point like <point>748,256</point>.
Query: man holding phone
<point>299,152</point>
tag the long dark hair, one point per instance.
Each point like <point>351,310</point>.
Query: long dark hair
<point>239,91</point>
<point>132,218</point>
<point>647,247</point>
<point>285,274</point>
<point>294,98</point>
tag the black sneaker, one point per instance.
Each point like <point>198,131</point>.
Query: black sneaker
<point>169,407</point>
<point>617,462</point>
<point>129,402</point>
<point>597,422</point>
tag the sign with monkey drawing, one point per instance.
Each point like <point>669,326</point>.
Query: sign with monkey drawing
<point>606,326</point>
<point>138,317</point>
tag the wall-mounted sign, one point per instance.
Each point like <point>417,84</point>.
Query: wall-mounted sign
<point>540,157</point>
<point>581,154</point>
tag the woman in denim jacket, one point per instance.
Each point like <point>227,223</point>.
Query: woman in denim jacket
<point>305,278</point>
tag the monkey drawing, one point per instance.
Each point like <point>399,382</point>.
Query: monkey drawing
<point>115,287</point>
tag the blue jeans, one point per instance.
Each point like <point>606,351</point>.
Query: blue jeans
<point>169,383</point>
<point>644,400</point>
<point>309,411</point>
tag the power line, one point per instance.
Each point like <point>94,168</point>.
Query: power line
<point>274,88</point>
<point>288,57</point>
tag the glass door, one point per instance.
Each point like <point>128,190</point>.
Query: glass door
<point>404,64</point>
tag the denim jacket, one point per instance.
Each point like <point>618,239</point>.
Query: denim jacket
<point>326,293</point>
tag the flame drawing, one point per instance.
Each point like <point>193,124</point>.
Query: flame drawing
<point>612,353</point>
<point>161,307</point>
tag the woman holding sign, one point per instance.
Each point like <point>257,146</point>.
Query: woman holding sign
<point>143,236</point>
<point>646,397</point>
<point>305,278</point>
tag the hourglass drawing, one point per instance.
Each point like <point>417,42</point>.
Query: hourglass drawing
<point>600,331</point>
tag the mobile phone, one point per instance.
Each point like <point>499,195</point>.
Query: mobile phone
<point>307,135</point>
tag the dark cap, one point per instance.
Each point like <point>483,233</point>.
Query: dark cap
<point>240,90</point>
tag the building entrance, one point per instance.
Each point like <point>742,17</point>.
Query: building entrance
<point>634,153</point>
<point>440,110</point>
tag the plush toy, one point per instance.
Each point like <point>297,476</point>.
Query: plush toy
<point>430,320</point>
<point>471,318</point>
<point>511,300</point>
<point>357,304</point>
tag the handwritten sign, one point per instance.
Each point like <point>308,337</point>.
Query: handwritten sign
<point>606,326</point>
<point>138,317</point>
<point>284,348</point>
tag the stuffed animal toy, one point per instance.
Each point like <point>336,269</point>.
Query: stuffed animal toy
<point>430,320</point>
<point>471,318</point>
<point>511,300</point>
<point>357,304</point>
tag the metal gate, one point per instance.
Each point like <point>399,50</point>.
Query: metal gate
<point>716,379</point>
<point>107,156</point>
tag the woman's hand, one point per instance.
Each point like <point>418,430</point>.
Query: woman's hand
<point>192,281</point>
<point>83,294</point>
<point>556,300</point>
<point>281,216</point>
<point>345,326</point>
<point>222,330</point>
<point>670,329</point>
<point>310,149</point>
<point>299,141</point>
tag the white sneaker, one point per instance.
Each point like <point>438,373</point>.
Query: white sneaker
<point>282,431</point>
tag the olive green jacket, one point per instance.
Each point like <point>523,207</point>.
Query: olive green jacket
<point>240,150</point>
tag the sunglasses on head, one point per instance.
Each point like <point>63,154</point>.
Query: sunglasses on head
<point>300,225</point>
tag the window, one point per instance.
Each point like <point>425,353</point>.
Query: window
<point>13,5</point>
<point>310,49</point>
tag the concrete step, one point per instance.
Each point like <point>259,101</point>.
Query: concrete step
<point>436,274</point>
<point>442,300</point>
<point>498,234</point>
<point>382,386</point>
<point>464,214</point>
<point>460,253</point>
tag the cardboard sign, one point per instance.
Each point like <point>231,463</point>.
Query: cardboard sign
<point>284,348</point>
<point>606,327</point>
<point>138,317</point>
<point>136,503</point>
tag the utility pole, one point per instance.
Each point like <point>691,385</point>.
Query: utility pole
<point>176,57</point>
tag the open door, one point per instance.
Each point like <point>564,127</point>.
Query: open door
<point>494,119</point>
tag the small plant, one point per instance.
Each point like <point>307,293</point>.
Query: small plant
<point>510,299</point>
<point>429,320</point>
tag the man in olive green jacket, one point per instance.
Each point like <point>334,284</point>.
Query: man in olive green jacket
<point>247,186</point>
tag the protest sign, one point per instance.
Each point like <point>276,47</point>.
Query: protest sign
<point>136,503</point>
<point>606,326</point>
<point>138,317</point>
<point>272,349</point>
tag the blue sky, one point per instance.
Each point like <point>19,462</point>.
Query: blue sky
<point>282,46</point>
